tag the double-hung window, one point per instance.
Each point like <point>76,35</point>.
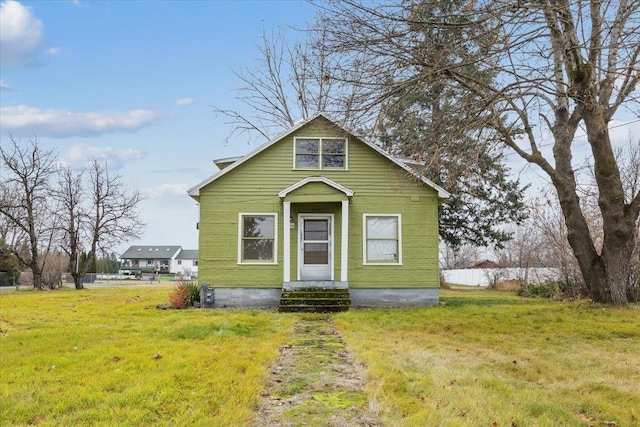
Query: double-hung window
<point>257,238</point>
<point>320,153</point>
<point>382,243</point>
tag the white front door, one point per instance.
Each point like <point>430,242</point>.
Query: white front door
<point>315,243</point>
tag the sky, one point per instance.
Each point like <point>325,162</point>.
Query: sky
<point>134,83</point>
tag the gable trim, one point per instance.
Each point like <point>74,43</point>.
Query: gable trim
<point>195,190</point>
<point>349,193</point>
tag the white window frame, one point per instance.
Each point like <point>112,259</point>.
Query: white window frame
<point>365,217</point>
<point>320,154</point>
<point>241,215</point>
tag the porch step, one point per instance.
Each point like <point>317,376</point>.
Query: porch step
<point>315,300</point>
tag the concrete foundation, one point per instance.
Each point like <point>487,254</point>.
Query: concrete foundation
<point>246,297</point>
<point>360,297</point>
<point>394,297</point>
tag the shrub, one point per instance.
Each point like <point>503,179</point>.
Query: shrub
<point>543,290</point>
<point>179,296</point>
<point>184,294</point>
<point>194,292</point>
<point>561,289</point>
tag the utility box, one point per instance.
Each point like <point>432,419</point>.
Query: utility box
<point>207,297</point>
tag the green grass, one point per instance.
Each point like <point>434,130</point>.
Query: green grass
<point>486,357</point>
<point>86,358</point>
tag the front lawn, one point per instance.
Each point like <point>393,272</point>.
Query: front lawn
<point>107,356</point>
<point>488,357</point>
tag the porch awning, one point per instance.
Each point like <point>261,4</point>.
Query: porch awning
<point>315,189</point>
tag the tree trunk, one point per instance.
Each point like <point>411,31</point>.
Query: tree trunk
<point>37,279</point>
<point>606,274</point>
<point>78,281</point>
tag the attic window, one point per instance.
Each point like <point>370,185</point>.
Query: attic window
<point>320,153</point>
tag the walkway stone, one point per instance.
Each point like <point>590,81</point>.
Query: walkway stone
<point>315,382</point>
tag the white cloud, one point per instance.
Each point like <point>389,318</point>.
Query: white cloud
<point>53,51</point>
<point>116,157</point>
<point>184,101</point>
<point>167,190</point>
<point>21,35</point>
<point>5,86</point>
<point>58,123</point>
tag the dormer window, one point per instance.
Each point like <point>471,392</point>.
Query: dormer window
<point>320,153</point>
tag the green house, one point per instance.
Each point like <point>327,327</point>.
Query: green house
<point>317,207</point>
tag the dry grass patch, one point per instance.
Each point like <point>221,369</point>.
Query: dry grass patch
<point>491,357</point>
<point>107,356</point>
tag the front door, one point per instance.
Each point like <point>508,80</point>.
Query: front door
<point>315,247</point>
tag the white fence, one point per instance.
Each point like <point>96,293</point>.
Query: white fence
<point>487,276</point>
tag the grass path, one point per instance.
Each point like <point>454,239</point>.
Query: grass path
<point>315,381</point>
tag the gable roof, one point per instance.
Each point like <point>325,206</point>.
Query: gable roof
<point>188,254</point>
<point>195,190</point>
<point>151,252</point>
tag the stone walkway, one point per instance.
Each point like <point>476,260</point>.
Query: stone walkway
<point>315,382</point>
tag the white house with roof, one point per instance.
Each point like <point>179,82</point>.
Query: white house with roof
<point>186,263</point>
<point>160,259</point>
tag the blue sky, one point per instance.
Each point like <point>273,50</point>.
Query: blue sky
<point>133,82</point>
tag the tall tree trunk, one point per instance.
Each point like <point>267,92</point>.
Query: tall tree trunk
<point>618,220</point>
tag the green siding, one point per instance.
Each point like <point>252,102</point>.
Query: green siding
<point>379,185</point>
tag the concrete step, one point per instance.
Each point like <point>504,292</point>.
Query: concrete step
<point>315,300</point>
<point>313,308</point>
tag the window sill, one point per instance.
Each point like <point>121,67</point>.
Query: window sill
<point>395,264</point>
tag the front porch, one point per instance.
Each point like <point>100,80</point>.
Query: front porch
<point>316,232</point>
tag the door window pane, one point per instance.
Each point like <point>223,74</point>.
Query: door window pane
<point>316,253</point>
<point>316,229</point>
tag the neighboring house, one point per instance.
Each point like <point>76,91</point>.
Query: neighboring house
<point>186,263</point>
<point>487,263</point>
<point>319,207</point>
<point>159,259</point>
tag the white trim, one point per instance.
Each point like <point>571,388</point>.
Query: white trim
<point>282,194</point>
<point>364,238</point>
<point>195,190</point>
<point>317,215</point>
<point>344,243</point>
<point>321,154</point>
<point>286,231</point>
<point>275,237</point>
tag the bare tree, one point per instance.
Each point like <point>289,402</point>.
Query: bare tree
<point>113,216</point>
<point>71,197</point>
<point>46,208</point>
<point>289,83</point>
<point>25,205</point>
<point>554,66</point>
<point>97,212</point>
